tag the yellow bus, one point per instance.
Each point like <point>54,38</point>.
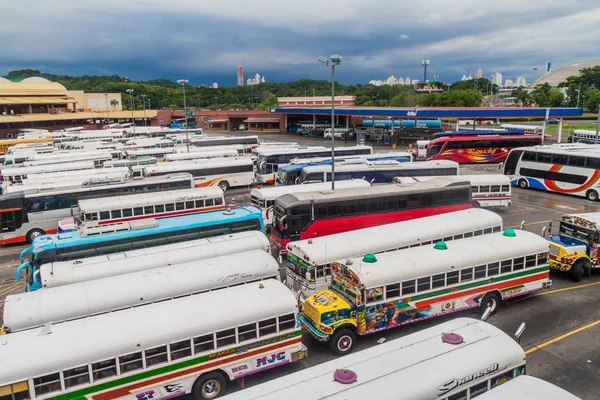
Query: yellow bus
<point>6,143</point>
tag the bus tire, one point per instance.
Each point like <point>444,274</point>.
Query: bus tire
<point>476,204</point>
<point>491,300</point>
<point>591,195</point>
<point>577,271</point>
<point>209,386</point>
<point>523,183</point>
<point>34,233</point>
<point>342,341</point>
<point>224,185</point>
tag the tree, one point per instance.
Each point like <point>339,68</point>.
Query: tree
<point>591,100</point>
<point>522,97</point>
<point>547,96</point>
<point>114,103</point>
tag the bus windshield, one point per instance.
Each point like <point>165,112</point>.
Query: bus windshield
<point>434,149</point>
<point>575,232</point>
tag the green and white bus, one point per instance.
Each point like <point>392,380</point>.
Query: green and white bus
<point>194,344</point>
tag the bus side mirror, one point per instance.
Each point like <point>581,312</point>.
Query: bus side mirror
<point>519,332</point>
<point>486,313</point>
<point>544,229</point>
<point>522,225</point>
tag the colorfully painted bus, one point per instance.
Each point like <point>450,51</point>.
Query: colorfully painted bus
<point>308,215</point>
<point>34,309</point>
<point>87,268</point>
<point>224,173</point>
<point>166,204</point>
<point>528,129</point>
<point>5,144</point>
<point>89,241</point>
<point>183,123</point>
<point>25,215</point>
<point>575,248</point>
<point>527,387</point>
<point>455,360</point>
<point>571,171</point>
<point>488,190</point>
<point>377,171</point>
<point>478,149</point>
<point>264,198</point>
<point>148,358</point>
<point>309,261</point>
<point>270,159</point>
<point>379,292</point>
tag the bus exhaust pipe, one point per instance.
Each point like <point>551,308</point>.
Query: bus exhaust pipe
<point>486,314</point>
<point>522,224</point>
<point>519,332</point>
<point>544,231</point>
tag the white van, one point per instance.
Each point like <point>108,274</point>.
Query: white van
<point>339,133</point>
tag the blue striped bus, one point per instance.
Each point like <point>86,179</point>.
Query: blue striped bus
<point>99,240</point>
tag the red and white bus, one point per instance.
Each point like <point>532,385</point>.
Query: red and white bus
<point>171,203</point>
<point>301,216</point>
<point>478,149</point>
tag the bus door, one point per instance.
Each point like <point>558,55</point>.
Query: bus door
<point>510,165</point>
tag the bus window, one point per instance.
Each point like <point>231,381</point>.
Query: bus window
<point>434,150</point>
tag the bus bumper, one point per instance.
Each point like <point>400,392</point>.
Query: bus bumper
<point>320,336</point>
<point>557,265</point>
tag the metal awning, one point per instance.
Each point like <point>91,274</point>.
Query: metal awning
<point>18,100</point>
<point>42,117</point>
<point>262,120</point>
<point>217,121</point>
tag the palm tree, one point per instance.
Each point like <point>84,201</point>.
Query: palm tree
<point>114,103</point>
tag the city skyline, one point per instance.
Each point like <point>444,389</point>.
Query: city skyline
<point>89,38</point>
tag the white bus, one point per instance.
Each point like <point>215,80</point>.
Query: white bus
<point>567,171</point>
<point>224,173</point>
<point>309,261</point>
<point>25,215</point>
<point>270,159</point>
<point>264,198</point>
<point>148,143</point>
<point>455,360</point>
<point>132,207</point>
<point>378,171</point>
<point>17,174</point>
<point>33,309</point>
<point>525,387</point>
<point>31,159</point>
<point>158,153</point>
<point>226,140</point>
<point>583,136</point>
<point>528,129</point>
<point>199,155</point>
<point>405,286</point>
<point>80,175</point>
<point>148,358</point>
<point>131,163</point>
<point>488,190</point>
<point>98,267</point>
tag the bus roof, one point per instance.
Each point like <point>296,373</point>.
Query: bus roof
<point>144,199</point>
<point>400,265</point>
<point>150,151</point>
<point>584,220</point>
<point>474,138</point>
<point>271,193</point>
<point>269,151</point>
<point>201,154</point>
<point>374,191</point>
<point>162,225</point>
<point>487,179</point>
<point>198,164</point>
<point>87,298</point>
<point>30,353</point>
<point>525,387</point>
<point>325,249</point>
<point>48,168</point>
<point>417,364</point>
<point>585,151</point>
<point>379,165</point>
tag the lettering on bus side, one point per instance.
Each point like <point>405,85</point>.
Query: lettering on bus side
<point>454,383</point>
<point>262,361</point>
<point>251,346</point>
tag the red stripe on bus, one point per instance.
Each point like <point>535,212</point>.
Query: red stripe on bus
<point>20,239</point>
<point>161,215</point>
<point>140,384</point>
<point>10,209</point>
<point>421,305</point>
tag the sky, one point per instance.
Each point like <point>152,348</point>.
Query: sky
<point>204,41</point>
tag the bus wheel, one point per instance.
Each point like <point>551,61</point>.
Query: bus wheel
<point>34,233</point>
<point>224,185</point>
<point>476,204</point>
<point>578,270</point>
<point>591,195</point>
<point>342,341</point>
<point>523,183</point>
<point>209,386</point>
<point>491,300</point>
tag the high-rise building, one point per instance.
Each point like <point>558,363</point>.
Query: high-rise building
<point>497,78</point>
<point>521,81</point>
<point>215,85</point>
<point>240,75</point>
<point>407,80</point>
<point>479,73</point>
<point>262,79</point>
<point>508,83</point>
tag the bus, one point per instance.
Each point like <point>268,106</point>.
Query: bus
<point>159,153</point>
<point>199,155</point>
<point>478,149</point>
<point>78,175</point>
<point>377,171</point>
<point>377,292</point>
<point>269,160</point>
<point>476,132</point>
<point>454,360</point>
<point>91,241</point>
<point>148,143</point>
<point>132,207</point>
<point>183,123</point>
<point>488,190</point>
<point>150,359</point>
<point>301,216</point>
<point>264,198</point>
<point>226,140</point>
<point>290,173</point>
<point>583,136</point>
<point>31,159</point>
<point>5,144</point>
<point>308,267</point>
<point>34,309</point>
<point>561,170</point>
<point>530,388</point>
<point>528,129</point>
<point>224,173</point>
<point>25,215</point>
<point>61,273</point>
<point>242,149</point>
<point>17,174</point>
<point>131,163</point>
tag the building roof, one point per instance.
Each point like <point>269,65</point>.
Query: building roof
<point>16,100</point>
<point>560,75</point>
<point>40,117</point>
<point>263,120</point>
<point>32,89</point>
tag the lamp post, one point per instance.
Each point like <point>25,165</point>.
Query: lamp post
<point>107,113</point>
<point>424,64</point>
<point>182,82</point>
<point>148,100</point>
<point>130,91</point>
<point>144,106</point>
<point>333,61</point>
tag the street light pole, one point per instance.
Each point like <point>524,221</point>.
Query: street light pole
<point>597,126</point>
<point>130,91</point>
<point>333,61</point>
<point>144,106</point>
<point>182,82</point>
<point>107,113</point>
